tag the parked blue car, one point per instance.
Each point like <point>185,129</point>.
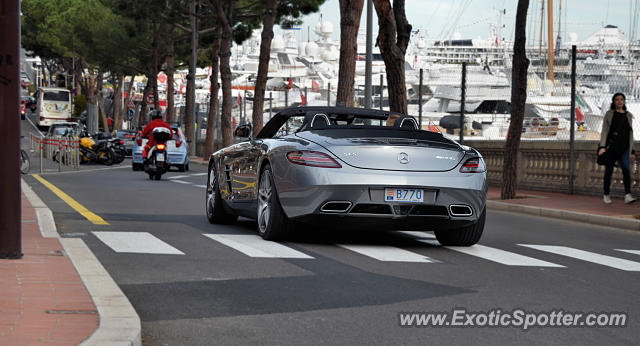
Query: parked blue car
<point>177,150</point>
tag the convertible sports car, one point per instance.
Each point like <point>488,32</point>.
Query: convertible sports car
<point>349,168</point>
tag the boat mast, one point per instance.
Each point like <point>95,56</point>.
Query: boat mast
<point>541,27</point>
<point>550,37</point>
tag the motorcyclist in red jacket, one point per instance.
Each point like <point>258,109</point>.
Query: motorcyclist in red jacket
<point>156,121</point>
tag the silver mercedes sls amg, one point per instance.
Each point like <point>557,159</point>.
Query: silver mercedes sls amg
<point>349,168</point>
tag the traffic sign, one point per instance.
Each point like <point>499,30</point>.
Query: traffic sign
<point>162,78</point>
<point>148,98</point>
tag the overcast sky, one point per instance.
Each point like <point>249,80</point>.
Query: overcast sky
<point>472,18</point>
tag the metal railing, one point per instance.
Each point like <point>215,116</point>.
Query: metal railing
<point>65,151</point>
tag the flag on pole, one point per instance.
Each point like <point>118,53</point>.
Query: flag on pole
<point>289,84</point>
<point>579,106</point>
<point>239,99</point>
<point>315,87</point>
<point>303,101</point>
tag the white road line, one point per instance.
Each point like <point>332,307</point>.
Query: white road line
<point>387,253</point>
<point>254,246</point>
<point>604,260</point>
<point>181,182</point>
<point>198,174</point>
<point>178,177</point>
<point>419,234</point>
<point>635,252</point>
<point>502,256</point>
<point>136,242</point>
<point>201,186</point>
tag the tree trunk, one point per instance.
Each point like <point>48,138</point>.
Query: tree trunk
<point>117,103</point>
<point>154,62</point>
<point>263,65</point>
<point>393,37</point>
<point>170,88</point>
<point>518,100</point>
<point>142,116</point>
<point>127,99</point>
<point>224,20</point>
<point>350,13</point>
<point>209,145</point>
<point>103,114</point>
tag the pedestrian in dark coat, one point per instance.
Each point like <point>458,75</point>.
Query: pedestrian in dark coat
<point>616,139</point>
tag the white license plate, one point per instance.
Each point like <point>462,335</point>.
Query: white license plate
<point>404,195</point>
<point>160,157</point>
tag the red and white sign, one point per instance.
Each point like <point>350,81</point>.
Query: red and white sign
<point>162,78</point>
<point>148,98</point>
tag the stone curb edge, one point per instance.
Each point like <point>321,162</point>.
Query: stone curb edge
<point>603,220</point>
<point>119,323</point>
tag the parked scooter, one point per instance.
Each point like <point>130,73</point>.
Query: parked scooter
<point>156,163</point>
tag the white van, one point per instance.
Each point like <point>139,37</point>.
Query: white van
<point>53,105</point>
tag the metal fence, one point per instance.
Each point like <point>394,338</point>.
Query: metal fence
<point>64,151</point>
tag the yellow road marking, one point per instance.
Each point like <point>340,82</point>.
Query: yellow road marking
<point>95,219</point>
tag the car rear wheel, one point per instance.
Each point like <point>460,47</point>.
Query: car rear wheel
<point>273,224</point>
<point>181,168</point>
<point>214,204</point>
<point>465,236</point>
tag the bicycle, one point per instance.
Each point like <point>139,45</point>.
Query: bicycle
<point>25,163</point>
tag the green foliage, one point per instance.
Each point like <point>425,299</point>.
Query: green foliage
<point>79,105</point>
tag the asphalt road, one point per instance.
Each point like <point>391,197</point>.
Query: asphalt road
<point>193,283</point>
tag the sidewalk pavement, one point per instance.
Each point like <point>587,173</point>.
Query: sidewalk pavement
<point>59,293</point>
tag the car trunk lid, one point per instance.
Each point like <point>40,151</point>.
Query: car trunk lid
<point>398,154</point>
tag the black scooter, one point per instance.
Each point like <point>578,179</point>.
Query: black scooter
<point>157,163</point>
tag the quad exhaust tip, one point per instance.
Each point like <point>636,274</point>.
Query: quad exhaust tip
<point>460,210</point>
<point>335,207</point>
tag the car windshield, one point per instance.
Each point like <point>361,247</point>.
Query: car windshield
<point>56,96</point>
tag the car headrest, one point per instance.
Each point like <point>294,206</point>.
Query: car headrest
<point>319,121</point>
<point>406,122</point>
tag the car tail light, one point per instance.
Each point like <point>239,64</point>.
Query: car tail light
<point>312,158</point>
<point>68,119</point>
<point>178,143</point>
<point>160,146</point>
<point>120,142</point>
<point>474,165</point>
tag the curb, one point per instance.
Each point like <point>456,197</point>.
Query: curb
<point>602,220</point>
<point>119,323</point>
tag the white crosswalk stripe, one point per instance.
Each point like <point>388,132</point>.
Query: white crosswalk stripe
<point>178,177</point>
<point>387,253</point>
<point>254,246</point>
<point>136,242</point>
<point>181,182</point>
<point>416,234</point>
<point>502,256</point>
<point>201,186</point>
<point>635,252</point>
<point>592,257</point>
<point>198,174</point>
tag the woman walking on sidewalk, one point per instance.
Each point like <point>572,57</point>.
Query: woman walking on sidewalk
<point>616,138</point>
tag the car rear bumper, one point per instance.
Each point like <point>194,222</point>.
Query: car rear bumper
<point>356,195</point>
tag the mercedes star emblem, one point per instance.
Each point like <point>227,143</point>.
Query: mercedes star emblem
<point>403,158</point>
